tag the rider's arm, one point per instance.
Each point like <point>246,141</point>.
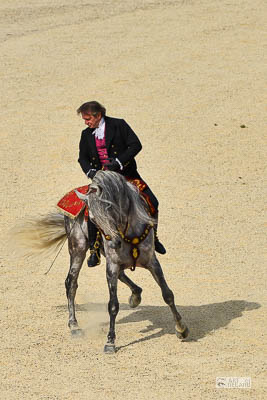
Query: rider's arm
<point>84,155</point>
<point>132,144</point>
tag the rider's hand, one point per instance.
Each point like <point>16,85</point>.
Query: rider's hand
<point>113,165</point>
<point>91,173</point>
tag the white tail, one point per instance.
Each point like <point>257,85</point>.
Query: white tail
<point>38,236</point>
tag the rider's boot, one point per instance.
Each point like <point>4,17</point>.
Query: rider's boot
<point>94,258</point>
<point>159,248</point>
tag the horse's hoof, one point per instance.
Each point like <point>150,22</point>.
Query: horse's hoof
<point>134,300</point>
<point>76,332</point>
<point>183,334</point>
<point>109,348</point>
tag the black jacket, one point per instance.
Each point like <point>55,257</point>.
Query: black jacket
<point>121,143</point>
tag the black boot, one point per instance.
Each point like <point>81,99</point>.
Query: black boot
<point>94,258</point>
<point>159,248</point>
<point>94,244</point>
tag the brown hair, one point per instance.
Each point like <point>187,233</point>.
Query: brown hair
<point>93,107</point>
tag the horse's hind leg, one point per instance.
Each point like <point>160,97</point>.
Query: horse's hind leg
<point>135,298</point>
<point>157,273</point>
<point>77,249</point>
<point>71,288</point>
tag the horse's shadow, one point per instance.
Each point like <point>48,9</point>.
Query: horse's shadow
<point>202,320</point>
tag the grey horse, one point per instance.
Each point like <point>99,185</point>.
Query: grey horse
<point>126,239</point>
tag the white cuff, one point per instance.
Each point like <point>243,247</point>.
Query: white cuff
<point>120,164</point>
<point>87,174</point>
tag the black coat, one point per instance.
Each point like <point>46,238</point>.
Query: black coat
<point>121,143</point>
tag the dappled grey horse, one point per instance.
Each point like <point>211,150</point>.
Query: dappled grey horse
<point>126,238</point>
<point>126,227</point>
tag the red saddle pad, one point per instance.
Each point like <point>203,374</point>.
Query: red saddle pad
<point>71,205</point>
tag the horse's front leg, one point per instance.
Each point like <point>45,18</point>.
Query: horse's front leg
<point>113,305</point>
<point>135,298</point>
<point>157,273</point>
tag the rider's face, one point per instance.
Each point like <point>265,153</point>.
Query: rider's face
<point>91,120</point>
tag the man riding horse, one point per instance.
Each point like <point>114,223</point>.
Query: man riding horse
<point>109,144</point>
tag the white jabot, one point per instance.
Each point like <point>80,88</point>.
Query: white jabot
<point>100,131</point>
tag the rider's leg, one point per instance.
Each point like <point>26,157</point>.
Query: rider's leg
<point>94,258</point>
<point>158,245</point>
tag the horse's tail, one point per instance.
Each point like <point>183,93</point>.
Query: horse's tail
<point>43,235</point>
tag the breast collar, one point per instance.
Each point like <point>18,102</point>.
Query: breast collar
<point>133,241</point>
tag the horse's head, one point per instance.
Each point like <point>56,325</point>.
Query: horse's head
<point>113,202</point>
<point>93,189</point>
<point>107,201</point>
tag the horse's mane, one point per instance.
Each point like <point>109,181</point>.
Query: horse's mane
<point>115,201</point>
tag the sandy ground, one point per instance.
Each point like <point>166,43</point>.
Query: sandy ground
<point>185,75</point>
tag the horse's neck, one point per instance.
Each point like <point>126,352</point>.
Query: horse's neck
<point>134,228</point>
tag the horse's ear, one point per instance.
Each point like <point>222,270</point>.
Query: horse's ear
<point>91,190</point>
<point>96,189</point>
<point>99,191</point>
<point>81,195</point>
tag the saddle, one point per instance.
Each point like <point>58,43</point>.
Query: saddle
<point>71,206</point>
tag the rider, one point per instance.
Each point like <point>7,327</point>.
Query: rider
<point>109,143</point>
